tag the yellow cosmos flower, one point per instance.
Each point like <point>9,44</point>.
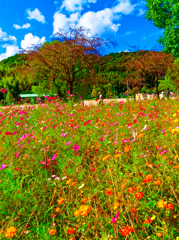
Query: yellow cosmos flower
<point>106,157</point>
<point>161,204</point>
<point>159,234</point>
<point>10,232</point>
<point>116,205</point>
<point>76,213</point>
<point>57,209</point>
<point>68,182</point>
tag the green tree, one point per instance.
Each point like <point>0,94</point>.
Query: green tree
<point>165,14</point>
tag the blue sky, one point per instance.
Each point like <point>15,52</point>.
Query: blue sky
<point>23,23</point>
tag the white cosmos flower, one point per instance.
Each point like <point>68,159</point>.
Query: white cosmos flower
<point>64,178</point>
<point>81,186</point>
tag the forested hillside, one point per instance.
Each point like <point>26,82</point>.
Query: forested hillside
<point>109,77</point>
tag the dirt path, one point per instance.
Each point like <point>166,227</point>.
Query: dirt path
<point>86,102</point>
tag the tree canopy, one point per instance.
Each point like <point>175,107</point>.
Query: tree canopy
<point>164,14</point>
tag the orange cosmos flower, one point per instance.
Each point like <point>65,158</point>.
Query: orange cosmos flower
<point>139,195</point>
<point>131,190</point>
<point>122,186</point>
<point>84,210</point>
<point>126,149</point>
<point>73,184</point>
<point>71,231</point>
<point>10,232</point>
<point>147,221</point>
<point>116,205</point>
<point>159,234</point>
<point>108,192</point>
<point>57,209</point>
<point>158,182</point>
<point>84,200</point>
<point>52,231</point>
<point>148,178</point>
<point>133,210</point>
<point>60,201</point>
<point>169,206</point>
<point>76,213</point>
<point>126,230</point>
<point>68,182</point>
<point>161,204</point>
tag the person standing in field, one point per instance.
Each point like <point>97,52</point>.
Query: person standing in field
<point>167,93</point>
<point>100,98</point>
<point>162,94</point>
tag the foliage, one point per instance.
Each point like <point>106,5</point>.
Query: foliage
<point>66,57</point>
<point>164,14</point>
<point>147,65</point>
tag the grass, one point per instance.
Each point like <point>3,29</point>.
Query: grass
<point>69,171</point>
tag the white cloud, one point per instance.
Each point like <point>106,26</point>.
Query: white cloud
<point>124,51</point>
<point>141,12</point>
<point>124,7</point>
<point>99,22</point>
<point>10,51</point>
<point>102,22</point>
<point>6,40</point>
<point>61,21</point>
<point>26,26</point>
<point>30,40</point>
<point>36,14</point>
<point>130,32</point>
<point>75,5</point>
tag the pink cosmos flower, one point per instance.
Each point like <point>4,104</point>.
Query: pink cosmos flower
<point>75,147</point>
<point>164,151</point>
<point>114,220</point>
<point>163,130</point>
<point>42,162</point>
<point>63,134</point>
<point>54,156</point>
<point>68,91</point>
<point>68,143</point>
<point>101,139</point>
<point>3,166</point>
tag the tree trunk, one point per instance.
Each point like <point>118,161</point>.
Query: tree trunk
<point>156,85</point>
<point>70,87</point>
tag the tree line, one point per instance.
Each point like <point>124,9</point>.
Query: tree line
<point>75,61</point>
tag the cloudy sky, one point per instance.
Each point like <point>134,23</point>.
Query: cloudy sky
<point>27,22</point>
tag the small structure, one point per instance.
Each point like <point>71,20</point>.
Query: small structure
<point>32,95</point>
<point>140,96</point>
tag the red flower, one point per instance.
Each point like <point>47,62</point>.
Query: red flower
<point>7,133</point>
<point>147,221</point>
<point>126,230</point>
<point>169,206</point>
<point>71,231</point>
<point>131,190</point>
<point>133,210</point>
<point>84,200</point>
<point>108,192</point>
<point>139,195</point>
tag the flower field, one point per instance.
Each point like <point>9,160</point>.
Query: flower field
<point>69,171</point>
